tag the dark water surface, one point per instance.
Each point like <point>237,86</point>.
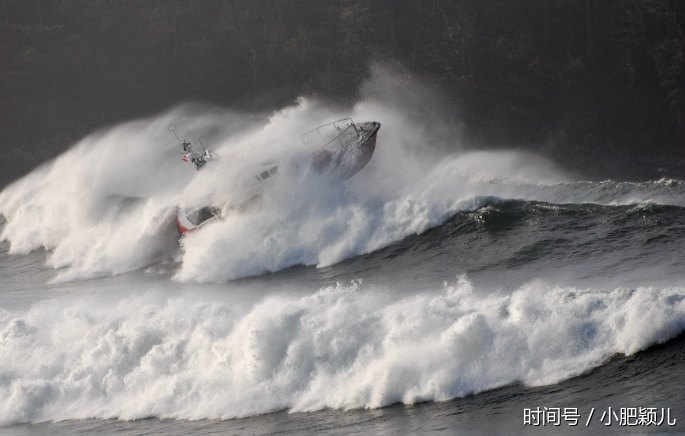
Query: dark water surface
<point>511,305</point>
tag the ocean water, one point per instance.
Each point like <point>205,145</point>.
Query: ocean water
<point>435,292</point>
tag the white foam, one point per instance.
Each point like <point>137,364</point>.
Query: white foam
<point>196,356</point>
<point>76,206</point>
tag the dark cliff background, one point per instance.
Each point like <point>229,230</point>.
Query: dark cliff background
<point>597,86</point>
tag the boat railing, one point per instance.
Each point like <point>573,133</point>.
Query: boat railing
<point>341,127</point>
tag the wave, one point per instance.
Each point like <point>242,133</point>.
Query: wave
<point>190,356</point>
<point>588,239</point>
<point>107,205</point>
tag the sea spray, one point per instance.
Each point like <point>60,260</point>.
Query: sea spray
<point>193,355</point>
<point>107,205</point>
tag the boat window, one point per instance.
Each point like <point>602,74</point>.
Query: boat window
<point>273,170</point>
<point>192,217</point>
<point>204,214</point>
<point>264,175</point>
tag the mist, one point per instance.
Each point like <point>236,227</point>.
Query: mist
<point>108,204</point>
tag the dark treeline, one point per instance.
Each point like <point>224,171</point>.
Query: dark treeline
<point>598,84</point>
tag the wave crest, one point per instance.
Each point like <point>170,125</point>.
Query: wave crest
<point>345,346</point>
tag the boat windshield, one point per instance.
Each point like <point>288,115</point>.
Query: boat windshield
<point>202,215</point>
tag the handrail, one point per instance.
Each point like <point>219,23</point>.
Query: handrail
<point>340,132</point>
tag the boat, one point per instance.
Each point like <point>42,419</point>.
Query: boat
<point>348,150</point>
<point>343,148</point>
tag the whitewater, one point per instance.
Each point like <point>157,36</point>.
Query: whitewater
<point>438,276</point>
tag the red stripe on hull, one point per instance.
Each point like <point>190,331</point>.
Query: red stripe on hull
<point>182,230</point>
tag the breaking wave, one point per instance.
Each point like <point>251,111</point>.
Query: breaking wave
<point>107,205</point>
<point>346,346</point>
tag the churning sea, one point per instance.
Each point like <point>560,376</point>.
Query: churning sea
<point>469,293</point>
